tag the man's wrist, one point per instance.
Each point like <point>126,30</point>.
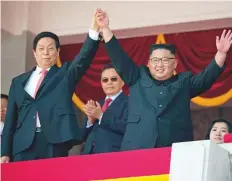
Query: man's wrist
<point>95,29</point>
<point>89,124</point>
<point>220,58</point>
<point>99,116</point>
<point>93,34</point>
<point>221,53</point>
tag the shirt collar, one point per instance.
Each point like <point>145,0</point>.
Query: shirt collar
<point>165,82</point>
<point>114,96</point>
<point>39,69</point>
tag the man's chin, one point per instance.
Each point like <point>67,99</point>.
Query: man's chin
<point>48,65</point>
<point>110,93</point>
<point>160,77</point>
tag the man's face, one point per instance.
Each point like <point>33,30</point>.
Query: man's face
<point>4,103</point>
<point>162,64</point>
<point>46,53</point>
<point>111,82</point>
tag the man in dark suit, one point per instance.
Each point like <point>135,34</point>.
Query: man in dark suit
<point>106,122</point>
<point>159,101</point>
<point>4,103</point>
<point>40,121</point>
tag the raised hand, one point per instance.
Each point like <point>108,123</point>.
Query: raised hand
<point>102,19</point>
<point>224,42</point>
<point>94,25</point>
<point>223,45</point>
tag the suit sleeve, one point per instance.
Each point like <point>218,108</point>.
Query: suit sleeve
<point>86,130</point>
<point>115,123</point>
<point>205,79</point>
<point>10,123</point>
<point>82,61</point>
<point>123,64</point>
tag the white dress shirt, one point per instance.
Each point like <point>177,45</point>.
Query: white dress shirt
<point>1,128</point>
<point>94,35</point>
<point>112,98</point>
<point>31,86</point>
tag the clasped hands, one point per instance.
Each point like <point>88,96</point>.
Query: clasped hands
<point>93,111</point>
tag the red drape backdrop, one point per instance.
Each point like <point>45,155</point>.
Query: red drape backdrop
<point>195,50</point>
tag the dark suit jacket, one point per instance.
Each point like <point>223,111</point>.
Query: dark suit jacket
<point>107,137</point>
<point>53,103</point>
<point>159,111</point>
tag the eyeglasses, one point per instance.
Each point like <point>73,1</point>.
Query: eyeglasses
<point>113,79</point>
<point>164,60</point>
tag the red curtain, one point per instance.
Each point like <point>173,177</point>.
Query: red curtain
<point>194,50</point>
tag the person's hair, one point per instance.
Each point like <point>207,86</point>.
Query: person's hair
<point>46,34</point>
<point>107,66</point>
<point>4,96</point>
<point>170,47</point>
<point>219,120</point>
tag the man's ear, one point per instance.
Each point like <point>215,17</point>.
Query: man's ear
<point>176,62</point>
<point>34,53</point>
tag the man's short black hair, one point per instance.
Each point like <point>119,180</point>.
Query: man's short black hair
<point>170,47</point>
<point>4,96</point>
<point>107,66</point>
<point>219,120</point>
<point>46,34</point>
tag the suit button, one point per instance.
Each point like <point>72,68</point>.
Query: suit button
<point>158,119</point>
<point>34,117</point>
<point>161,93</point>
<point>162,84</point>
<point>160,105</point>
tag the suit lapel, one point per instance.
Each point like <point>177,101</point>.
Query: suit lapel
<point>25,79</point>
<point>48,77</point>
<point>116,101</point>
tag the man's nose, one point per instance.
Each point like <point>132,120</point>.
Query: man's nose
<point>45,51</point>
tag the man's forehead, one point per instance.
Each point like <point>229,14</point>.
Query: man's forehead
<point>110,71</point>
<point>170,47</point>
<point>162,53</point>
<point>46,41</point>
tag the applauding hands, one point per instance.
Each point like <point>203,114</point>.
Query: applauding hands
<point>93,111</point>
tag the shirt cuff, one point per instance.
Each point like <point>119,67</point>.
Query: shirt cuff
<point>100,119</point>
<point>94,35</point>
<point>88,124</point>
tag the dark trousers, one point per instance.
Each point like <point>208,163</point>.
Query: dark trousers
<point>41,149</point>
